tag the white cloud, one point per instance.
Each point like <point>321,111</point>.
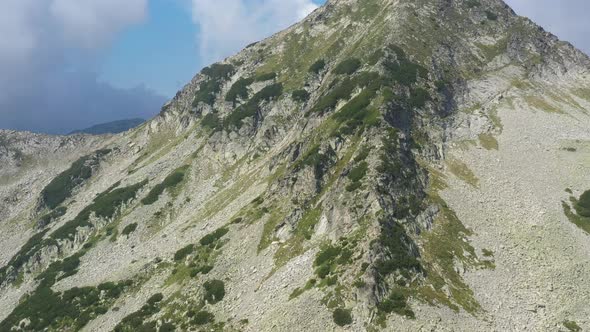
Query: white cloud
<point>91,23</point>
<point>225,26</point>
<point>46,44</point>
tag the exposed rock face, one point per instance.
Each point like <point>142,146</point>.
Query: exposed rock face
<point>384,164</point>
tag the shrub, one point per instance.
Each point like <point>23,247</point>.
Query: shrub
<point>51,216</point>
<point>358,172</point>
<point>418,97</point>
<point>170,181</point>
<point>403,70</point>
<point>317,66</point>
<point>323,271</point>
<point>491,16</point>
<point>213,237</point>
<point>105,205</point>
<point>239,89</point>
<point>183,252</point>
<point>582,206</point>
<point>218,71</point>
<point>330,100</point>
<point>300,95</point>
<point>60,188</point>
<point>212,121</point>
<point>167,327</point>
<point>327,255</point>
<point>203,317</point>
<point>342,317</point>
<point>250,108</point>
<point>347,67</point>
<point>265,77</point>
<point>129,229</point>
<point>155,298</point>
<point>214,291</point>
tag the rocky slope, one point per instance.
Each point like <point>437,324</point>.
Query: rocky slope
<point>381,165</point>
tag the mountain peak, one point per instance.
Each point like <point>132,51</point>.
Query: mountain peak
<point>383,164</point>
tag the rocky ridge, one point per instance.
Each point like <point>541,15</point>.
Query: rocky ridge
<point>384,164</point>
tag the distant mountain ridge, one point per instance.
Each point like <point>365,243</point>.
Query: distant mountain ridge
<point>113,127</point>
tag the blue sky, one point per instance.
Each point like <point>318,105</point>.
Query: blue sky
<point>70,64</point>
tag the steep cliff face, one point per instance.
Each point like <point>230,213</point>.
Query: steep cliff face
<point>383,164</point>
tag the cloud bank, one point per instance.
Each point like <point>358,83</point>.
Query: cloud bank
<point>48,52</point>
<point>226,26</point>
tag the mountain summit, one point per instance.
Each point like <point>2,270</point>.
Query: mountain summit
<point>403,165</point>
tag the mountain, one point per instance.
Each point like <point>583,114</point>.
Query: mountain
<point>113,127</point>
<point>412,165</point>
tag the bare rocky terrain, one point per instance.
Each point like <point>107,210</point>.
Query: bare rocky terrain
<point>381,165</point>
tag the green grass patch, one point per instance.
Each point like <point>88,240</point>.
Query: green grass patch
<point>571,326</point>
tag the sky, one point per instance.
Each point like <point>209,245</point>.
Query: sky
<point>70,64</point>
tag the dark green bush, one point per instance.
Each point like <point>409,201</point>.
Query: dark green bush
<point>348,66</point>
<point>214,291</point>
<point>265,77</point>
<point>327,255</point>
<point>342,317</point>
<point>300,95</point>
<point>358,173</point>
<point>170,181</point>
<point>317,66</point>
<point>212,121</point>
<point>105,205</point>
<point>129,229</point>
<point>213,237</point>
<point>582,206</point>
<point>342,91</point>
<point>207,92</point>
<point>203,317</point>
<point>70,310</point>
<point>491,16</point>
<point>219,71</point>
<point>250,108</point>
<point>403,70</point>
<point>155,298</point>
<point>167,327</point>
<point>239,89</point>
<point>206,269</point>
<point>182,253</point>
<point>394,240</point>
<point>472,3</point>
<point>418,97</point>
<point>322,271</point>
<point>60,188</point>
<point>51,216</point>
